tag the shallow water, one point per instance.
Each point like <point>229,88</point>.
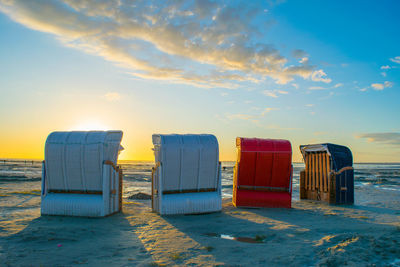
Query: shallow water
<point>26,175</point>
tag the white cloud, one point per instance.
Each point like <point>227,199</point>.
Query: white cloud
<point>158,40</point>
<point>270,93</point>
<point>387,67</point>
<point>377,86</point>
<point>338,85</point>
<point>385,138</point>
<point>383,74</point>
<point>267,110</point>
<point>309,105</point>
<point>395,59</point>
<point>295,85</point>
<point>318,76</point>
<point>304,60</point>
<point>363,89</point>
<point>112,96</point>
<point>381,86</point>
<point>317,88</point>
<point>274,93</point>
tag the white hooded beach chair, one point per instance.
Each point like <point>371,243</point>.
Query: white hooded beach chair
<point>80,176</point>
<point>186,177</point>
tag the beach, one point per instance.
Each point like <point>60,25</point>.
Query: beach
<point>309,234</point>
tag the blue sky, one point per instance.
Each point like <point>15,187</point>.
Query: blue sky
<point>306,71</point>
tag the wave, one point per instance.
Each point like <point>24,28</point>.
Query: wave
<point>19,178</point>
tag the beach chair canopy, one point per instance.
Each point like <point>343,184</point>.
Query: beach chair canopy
<point>263,173</point>
<point>341,156</point>
<point>186,178</point>
<point>264,162</point>
<point>74,160</point>
<point>189,162</point>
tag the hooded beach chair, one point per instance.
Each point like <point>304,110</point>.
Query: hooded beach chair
<point>328,175</point>
<point>80,176</point>
<point>263,173</point>
<point>187,177</point>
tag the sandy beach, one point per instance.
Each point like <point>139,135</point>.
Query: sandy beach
<point>309,234</point>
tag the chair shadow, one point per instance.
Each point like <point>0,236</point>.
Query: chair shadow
<point>68,241</point>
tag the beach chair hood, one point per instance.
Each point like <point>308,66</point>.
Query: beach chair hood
<point>74,160</point>
<point>189,161</point>
<point>341,156</point>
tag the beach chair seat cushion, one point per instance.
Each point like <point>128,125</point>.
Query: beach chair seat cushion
<point>186,203</point>
<point>250,198</point>
<point>73,204</point>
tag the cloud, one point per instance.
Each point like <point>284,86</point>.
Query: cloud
<point>112,96</point>
<point>309,105</point>
<point>304,60</point>
<point>267,110</point>
<point>317,76</point>
<point>299,54</point>
<point>384,138</point>
<point>385,67</point>
<point>274,93</point>
<point>381,86</point>
<point>270,93</point>
<point>338,85</point>
<point>200,43</point>
<point>363,89</point>
<point>252,118</point>
<point>395,59</point>
<point>295,85</point>
<point>317,88</point>
<point>383,74</point>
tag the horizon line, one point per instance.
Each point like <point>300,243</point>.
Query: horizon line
<point>146,160</point>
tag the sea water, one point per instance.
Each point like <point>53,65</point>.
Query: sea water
<point>25,175</point>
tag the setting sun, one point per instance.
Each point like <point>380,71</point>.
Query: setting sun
<point>90,125</point>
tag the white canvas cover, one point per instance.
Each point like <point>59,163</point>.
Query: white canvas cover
<point>75,163</point>
<point>314,148</point>
<point>74,160</point>
<point>188,163</point>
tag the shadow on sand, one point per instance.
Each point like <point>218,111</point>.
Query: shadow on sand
<point>70,241</point>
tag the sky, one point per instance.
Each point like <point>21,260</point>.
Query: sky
<point>305,71</point>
